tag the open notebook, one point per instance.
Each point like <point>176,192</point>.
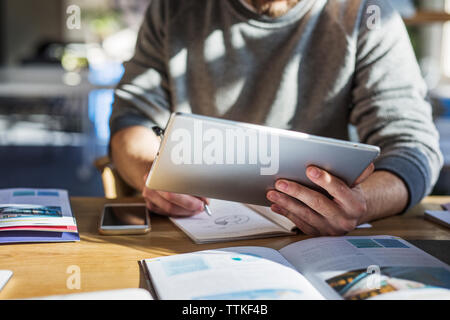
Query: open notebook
<point>354,268</point>
<point>232,221</point>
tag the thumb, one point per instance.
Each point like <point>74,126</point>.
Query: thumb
<point>366,173</point>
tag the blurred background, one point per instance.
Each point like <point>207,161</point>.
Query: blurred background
<point>57,73</point>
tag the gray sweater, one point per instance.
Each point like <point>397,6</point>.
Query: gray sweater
<point>323,66</point>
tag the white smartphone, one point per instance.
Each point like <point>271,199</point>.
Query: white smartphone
<point>121,219</point>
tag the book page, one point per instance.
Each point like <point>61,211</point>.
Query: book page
<point>42,197</point>
<point>35,207</point>
<point>229,221</point>
<point>5,275</point>
<point>117,294</point>
<point>239,273</point>
<point>441,217</point>
<point>366,267</point>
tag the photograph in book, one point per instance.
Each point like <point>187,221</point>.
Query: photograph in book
<point>360,284</point>
<point>29,211</point>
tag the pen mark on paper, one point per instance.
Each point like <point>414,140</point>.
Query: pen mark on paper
<point>233,219</point>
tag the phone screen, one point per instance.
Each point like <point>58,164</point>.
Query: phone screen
<point>124,216</point>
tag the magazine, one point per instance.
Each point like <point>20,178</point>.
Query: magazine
<point>36,215</point>
<point>354,268</point>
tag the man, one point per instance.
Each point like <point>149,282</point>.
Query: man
<point>314,66</point>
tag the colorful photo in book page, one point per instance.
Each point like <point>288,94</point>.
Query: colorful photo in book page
<point>29,211</point>
<point>362,284</point>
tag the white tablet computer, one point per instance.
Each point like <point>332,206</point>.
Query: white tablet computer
<point>222,159</point>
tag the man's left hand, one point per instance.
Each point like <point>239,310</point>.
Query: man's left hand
<point>313,212</point>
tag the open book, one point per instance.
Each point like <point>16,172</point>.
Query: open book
<point>375,267</point>
<point>235,221</point>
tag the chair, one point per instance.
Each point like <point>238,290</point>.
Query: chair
<point>113,184</point>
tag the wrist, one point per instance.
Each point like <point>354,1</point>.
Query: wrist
<point>385,195</point>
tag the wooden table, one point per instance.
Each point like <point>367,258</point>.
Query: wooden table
<point>111,262</point>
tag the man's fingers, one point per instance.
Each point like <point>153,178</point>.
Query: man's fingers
<point>303,216</point>
<point>166,207</point>
<point>148,204</point>
<point>366,173</point>
<point>337,188</point>
<point>204,200</point>
<point>159,202</point>
<point>313,199</point>
<point>298,209</point>
<point>173,204</point>
<point>158,210</point>
<point>187,202</point>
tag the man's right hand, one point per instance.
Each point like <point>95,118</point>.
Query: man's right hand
<point>173,204</point>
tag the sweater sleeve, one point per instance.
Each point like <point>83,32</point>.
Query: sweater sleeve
<point>389,101</point>
<point>143,97</point>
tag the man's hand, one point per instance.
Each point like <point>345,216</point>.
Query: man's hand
<point>317,214</point>
<point>172,204</point>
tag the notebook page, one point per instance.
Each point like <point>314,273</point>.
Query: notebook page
<point>275,217</point>
<point>230,220</point>
<point>228,274</point>
<point>285,222</point>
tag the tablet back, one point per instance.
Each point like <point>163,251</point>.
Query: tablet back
<point>235,161</point>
